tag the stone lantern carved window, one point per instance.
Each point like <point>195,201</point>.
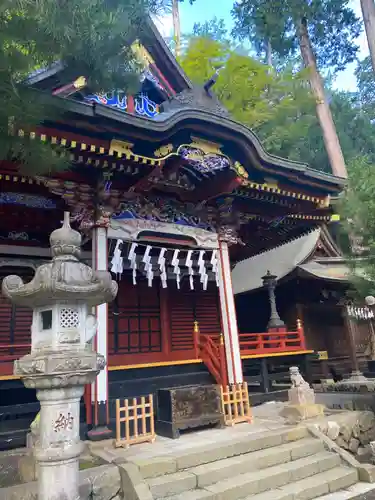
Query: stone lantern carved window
<point>46,319</point>
<point>69,318</point>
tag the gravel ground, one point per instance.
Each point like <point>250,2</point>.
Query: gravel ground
<point>366,496</point>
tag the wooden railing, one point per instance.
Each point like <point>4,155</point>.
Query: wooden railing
<point>276,340</point>
<point>211,350</point>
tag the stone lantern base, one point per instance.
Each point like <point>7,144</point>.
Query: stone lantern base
<point>59,379</point>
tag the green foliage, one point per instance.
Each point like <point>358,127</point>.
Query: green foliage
<point>277,105</point>
<point>91,37</point>
<point>366,86</point>
<point>278,23</point>
<point>214,29</point>
<point>357,208</point>
<point>247,88</point>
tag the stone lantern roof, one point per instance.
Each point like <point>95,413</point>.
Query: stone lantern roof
<point>65,278</point>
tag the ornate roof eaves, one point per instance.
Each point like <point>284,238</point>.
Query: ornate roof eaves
<point>240,134</point>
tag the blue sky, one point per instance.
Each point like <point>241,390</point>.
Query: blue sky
<point>221,9</point>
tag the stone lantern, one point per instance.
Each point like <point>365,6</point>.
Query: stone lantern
<point>269,281</point>
<point>62,360</point>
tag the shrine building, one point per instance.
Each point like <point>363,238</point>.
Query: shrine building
<point>170,193</point>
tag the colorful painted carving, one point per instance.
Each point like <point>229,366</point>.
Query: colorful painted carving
<point>117,99</point>
<point>166,210</point>
<point>27,200</point>
<point>202,162</point>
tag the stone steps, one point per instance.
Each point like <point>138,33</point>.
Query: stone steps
<point>283,465</point>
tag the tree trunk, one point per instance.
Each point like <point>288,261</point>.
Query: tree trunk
<point>176,27</point>
<point>269,53</point>
<point>368,13</point>
<point>331,140</point>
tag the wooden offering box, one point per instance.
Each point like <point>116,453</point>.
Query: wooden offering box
<point>187,407</point>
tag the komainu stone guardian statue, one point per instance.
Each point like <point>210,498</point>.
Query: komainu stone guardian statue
<point>61,295</point>
<point>301,397</point>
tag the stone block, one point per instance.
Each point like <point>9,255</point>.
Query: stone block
<point>302,395</point>
<point>297,413</point>
<point>27,468</point>
<point>353,445</point>
<point>333,430</point>
<point>366,473</point>
<point>105,480</point>
<point>294,434</point>
<point>172,484</point>
<point>356,430</point>
<point>133,486</point>
<point>364,454</point>
<point>346,432</point>
<point>366,420</point>
<point>340,441</point>
<point>156,466</point>
<point>341,478</point>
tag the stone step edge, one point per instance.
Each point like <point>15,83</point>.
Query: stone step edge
<point>323,462</point>
<point>366,472</point>
<point>168,464</point>
<point>321,478</point>
<point>325,486</point>
<point>240,485</point>
<point>278,455</point>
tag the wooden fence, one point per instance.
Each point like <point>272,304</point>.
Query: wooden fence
<point>135,421</point>
<point>235,403</point>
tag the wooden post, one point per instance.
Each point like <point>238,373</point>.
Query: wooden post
<point>223,364</point>
<point>265,381</point>
<point>301,334</point>
<point>350,329</point>
<point>196,340</point>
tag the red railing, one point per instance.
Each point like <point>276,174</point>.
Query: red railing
<point>211,349</point>
<point>274,341</point>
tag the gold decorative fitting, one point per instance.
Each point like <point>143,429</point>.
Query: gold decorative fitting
<point>299,324</point>
<point>120,147</point>
<point>221,339</point>
<point>240,169</point>
<point>207,147</point>
<point>163,150</point>
<point>196,327</point>
<point>80,82</point>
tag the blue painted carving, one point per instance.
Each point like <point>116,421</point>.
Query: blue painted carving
<point>27,200</point>
<point>142,104</point>
<point>145,107</point>
<point>114,99</point>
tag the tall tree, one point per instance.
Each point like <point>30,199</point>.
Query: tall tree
<point>366,86</point>
<point>174,8</point>
<point>252,94</point>
<point>214,29</point>
<point>368,13</point>
<point>293,24</point>
<point>90,37</point>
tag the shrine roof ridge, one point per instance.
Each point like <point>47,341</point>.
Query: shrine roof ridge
<point>227,124</point>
